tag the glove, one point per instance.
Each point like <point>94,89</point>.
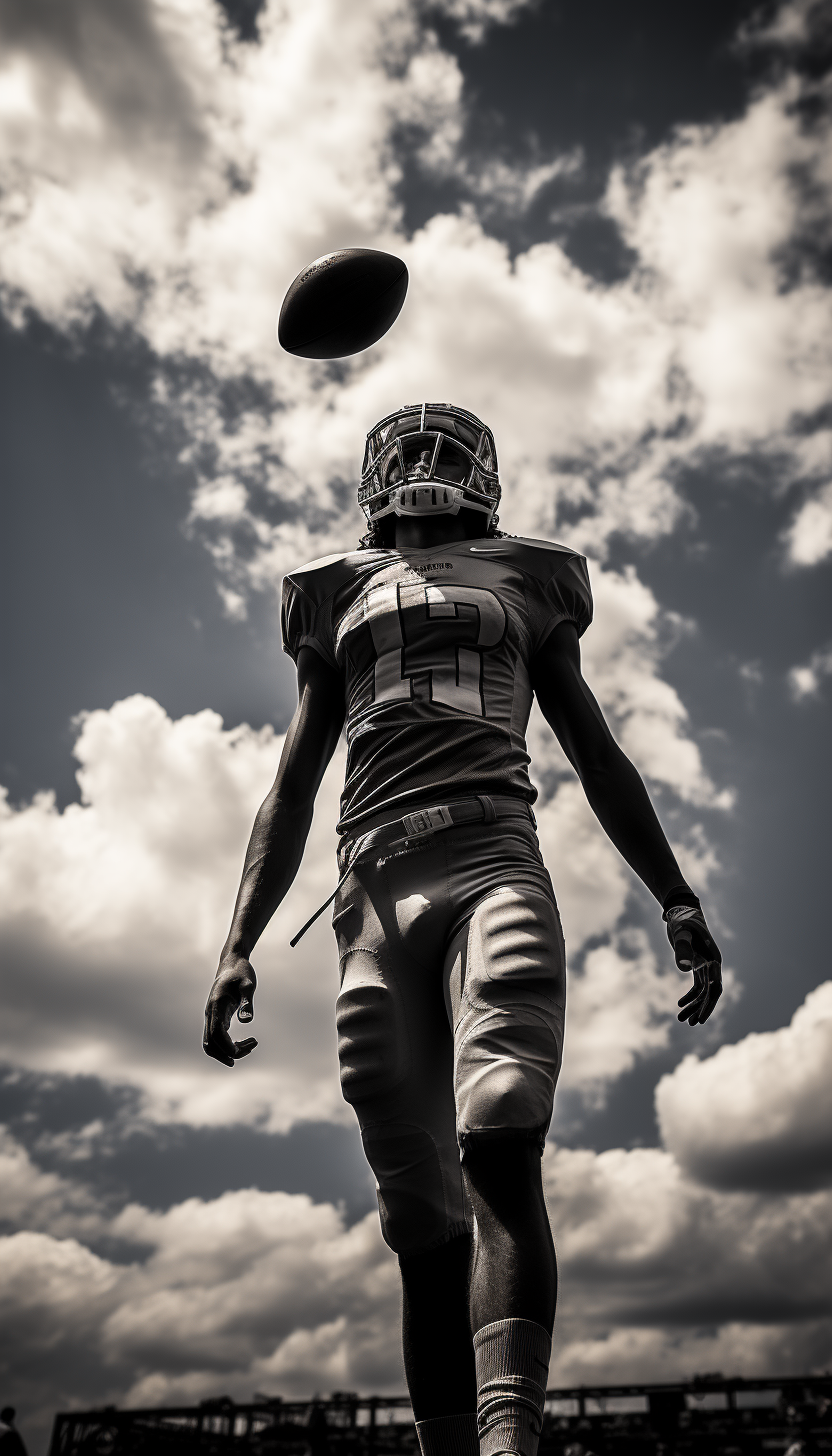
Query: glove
<point>695,950</point>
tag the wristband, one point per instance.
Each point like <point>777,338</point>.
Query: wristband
<point>682,895</point>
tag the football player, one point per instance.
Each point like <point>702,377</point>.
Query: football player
<point>427,643</point>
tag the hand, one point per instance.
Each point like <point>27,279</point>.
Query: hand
<point>695,950</point>
<point>233,990</point>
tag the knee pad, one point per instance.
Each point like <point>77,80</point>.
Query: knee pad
<point>506,1072</point>
<point>372,1037</point>
<point>419,1207</point>
<point>509,1031</point>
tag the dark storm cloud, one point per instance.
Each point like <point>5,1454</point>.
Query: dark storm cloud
<point>104,592</point>
<point>95,1133</point>
<point>243,16</point>
<point>625,1120</point>
<point>725,568</point>
<point>603,81</point>
<point>758,1113</point>
<point>646,1246</point>
<point>214,1293</point>
<point>603,75</point>
<point>802,1164</point>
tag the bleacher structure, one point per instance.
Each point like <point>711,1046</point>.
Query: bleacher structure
<point>709,1416</point>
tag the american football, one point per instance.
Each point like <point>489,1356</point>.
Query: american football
<point>342,303</point>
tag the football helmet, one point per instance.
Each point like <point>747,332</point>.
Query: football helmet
<point>429,460</point>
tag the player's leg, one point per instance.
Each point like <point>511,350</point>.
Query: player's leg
<point>436,1337</point>
<point>396,1055</point>
<point>506,970</point>
<point>513,1271</point>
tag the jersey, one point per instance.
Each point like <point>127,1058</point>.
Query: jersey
<point>434,647</point>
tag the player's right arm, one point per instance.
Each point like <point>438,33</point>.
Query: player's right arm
<point>275,849</point>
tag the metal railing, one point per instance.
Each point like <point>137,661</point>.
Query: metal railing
<point>703,1417</point>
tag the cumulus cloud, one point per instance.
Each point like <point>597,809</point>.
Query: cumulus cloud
<point>112,913</point>
<point>621,1001</point>
<point>757,1114</point>
<point>622,658</point>
<point>473,16</point>
<point>620,1006</point>
<point>790,27</point>
<point>183,205</point>
<point>591,879</point>
<point>662,1277</point>
<point>34,1199</point>
<point>622,654</point>
<point>629,1354</point>
<point>672,1259</point>
<point>805,680</point>
<point>506,187</point>
<point>713,214</point>
<point>809,536</point>
<point>258,1290</point>
<point>227,1283</point>
<point>54,1291</point>
<point>251,1290</point>
<point>645,1245</point>
<point>158,171</point>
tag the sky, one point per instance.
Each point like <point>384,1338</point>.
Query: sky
<point>617,220</point>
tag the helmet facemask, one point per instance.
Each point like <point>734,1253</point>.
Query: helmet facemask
<point>430,459</point>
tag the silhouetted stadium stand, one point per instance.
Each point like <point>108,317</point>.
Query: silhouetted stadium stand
<point>709,1416</point>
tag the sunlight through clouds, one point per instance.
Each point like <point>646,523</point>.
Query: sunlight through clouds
<point>161,182</point>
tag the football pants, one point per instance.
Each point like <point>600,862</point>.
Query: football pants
<point>450,1013</point>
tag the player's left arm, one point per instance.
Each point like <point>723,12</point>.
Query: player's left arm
<point>620,801</point>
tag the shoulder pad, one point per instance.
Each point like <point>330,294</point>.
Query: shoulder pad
<point>541,559</point>
<point>319,579</point>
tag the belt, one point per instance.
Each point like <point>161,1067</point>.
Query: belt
<point>417,828</point>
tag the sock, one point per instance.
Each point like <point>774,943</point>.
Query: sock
<point>449,1435</point>
<point>512,1362</point>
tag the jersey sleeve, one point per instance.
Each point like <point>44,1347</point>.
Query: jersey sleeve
<point>304,624</point>
<point>565,597</point>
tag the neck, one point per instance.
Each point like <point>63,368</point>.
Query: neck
<point>424,532</point>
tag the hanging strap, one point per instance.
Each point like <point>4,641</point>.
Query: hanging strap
<point>311,921</point>
<point>419,826</point>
